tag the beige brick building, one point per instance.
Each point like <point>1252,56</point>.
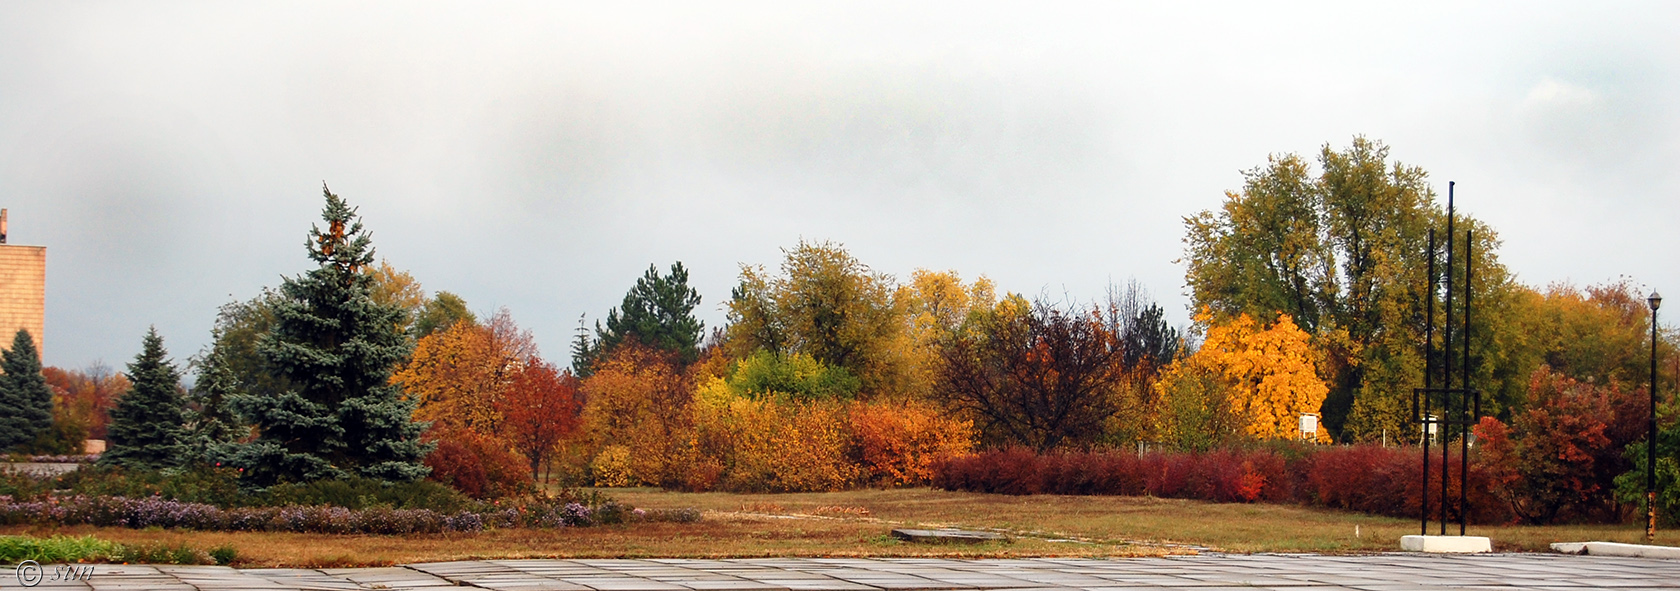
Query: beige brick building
<point>23,290</point>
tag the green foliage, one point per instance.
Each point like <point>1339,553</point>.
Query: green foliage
<point>224,554</point>
<point>657,312</point>
<point>339,415</point>
<point>57,549</point>
<point>1343,252</point>
<point>362,493</point>
<point>160,554</point>
<point>1196,413</point>
<point>211,422</point>
<point>21,486</point>
<point>1631,485</point>
<point>202,484</point>
<point>828,305</point>
<point>798,376</point>
<point>238,328</point>
<point>69,429</point>
<point>441,312</point>
<point>26,405</point>
<point>146,428</point>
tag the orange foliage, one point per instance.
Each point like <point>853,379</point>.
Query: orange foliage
<point>460,374</point>
<point>87,396</point>
<point>639,398</point>
<point>898,443</point>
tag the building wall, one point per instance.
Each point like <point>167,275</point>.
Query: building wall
<point>23,293</point>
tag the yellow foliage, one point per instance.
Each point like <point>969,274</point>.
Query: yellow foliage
<point>779,444</point>
<point>640,399</point>
<point>611,467</point>
<point>775,445</point>
<point>1269,373</point>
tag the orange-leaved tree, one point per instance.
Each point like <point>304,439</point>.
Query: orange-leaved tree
<point>460,373</point>
<point>540,408</point>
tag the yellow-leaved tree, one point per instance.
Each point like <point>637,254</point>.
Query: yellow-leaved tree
<point>1261,378</point>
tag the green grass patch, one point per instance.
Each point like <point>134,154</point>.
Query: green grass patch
<point>73,549</point>
<point>16,549</point>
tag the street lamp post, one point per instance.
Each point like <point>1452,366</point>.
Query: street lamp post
<point>1651,437</point>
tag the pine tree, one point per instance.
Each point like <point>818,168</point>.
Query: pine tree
<point>335,346</point>
<point>25,401</point>
<point>213,423</point>
<point>146,429</point>
<point>657,312</point>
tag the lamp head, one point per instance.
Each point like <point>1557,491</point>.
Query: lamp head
<point>1655,301</point>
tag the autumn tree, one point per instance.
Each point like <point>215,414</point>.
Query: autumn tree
<point>639,416</point>
<point>334,346</point>
<point>828,305</point>
<point>1269,371</point>
<point>1560,456</point>
<point>87,395</point>
<point>397,288</point>
<point>937,303</point>
<point>1341,251</point>
<point>1035,375</point>
<point>458,375</point>
<point>26,407</point>
<point>657,312</point>
<point>541,407</point>
<point>147,427</point>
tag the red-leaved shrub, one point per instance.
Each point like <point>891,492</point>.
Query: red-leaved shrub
<point>1371,479</point>
<point>478,466</point>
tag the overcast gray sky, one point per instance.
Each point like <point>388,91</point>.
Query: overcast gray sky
<point>539,157</point>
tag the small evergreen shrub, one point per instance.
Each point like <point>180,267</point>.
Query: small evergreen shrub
<point>361,493</point>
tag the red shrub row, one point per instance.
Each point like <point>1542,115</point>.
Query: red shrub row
<point>1364,478</point>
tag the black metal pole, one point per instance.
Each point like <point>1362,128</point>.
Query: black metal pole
<point>1651,435</point>
<point>1447,348</point>
<point>1428,382</point>
<point>1464,398</point>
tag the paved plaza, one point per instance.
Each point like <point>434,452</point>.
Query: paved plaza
<point>1386,572</point>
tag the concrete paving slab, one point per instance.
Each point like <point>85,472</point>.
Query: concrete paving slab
<point>1382,572</point>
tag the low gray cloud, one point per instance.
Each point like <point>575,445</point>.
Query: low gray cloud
<point>539,157</point>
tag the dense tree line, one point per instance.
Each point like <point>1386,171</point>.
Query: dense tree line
<point>1308,288</point>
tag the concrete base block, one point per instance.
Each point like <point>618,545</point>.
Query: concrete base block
<point>947,536</point>
<point>1446,544</point>
<point>1617,549</point>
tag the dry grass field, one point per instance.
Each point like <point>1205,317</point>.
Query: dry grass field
<point>856,523</point>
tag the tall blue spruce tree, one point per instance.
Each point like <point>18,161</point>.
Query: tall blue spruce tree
<point>146,430</point>
<point>25,401</point>
<point>335,347</point>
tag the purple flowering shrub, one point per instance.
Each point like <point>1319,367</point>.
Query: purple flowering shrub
<point>117,511</point>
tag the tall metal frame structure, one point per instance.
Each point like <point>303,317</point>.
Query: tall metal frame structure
<point>1427,399</point>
